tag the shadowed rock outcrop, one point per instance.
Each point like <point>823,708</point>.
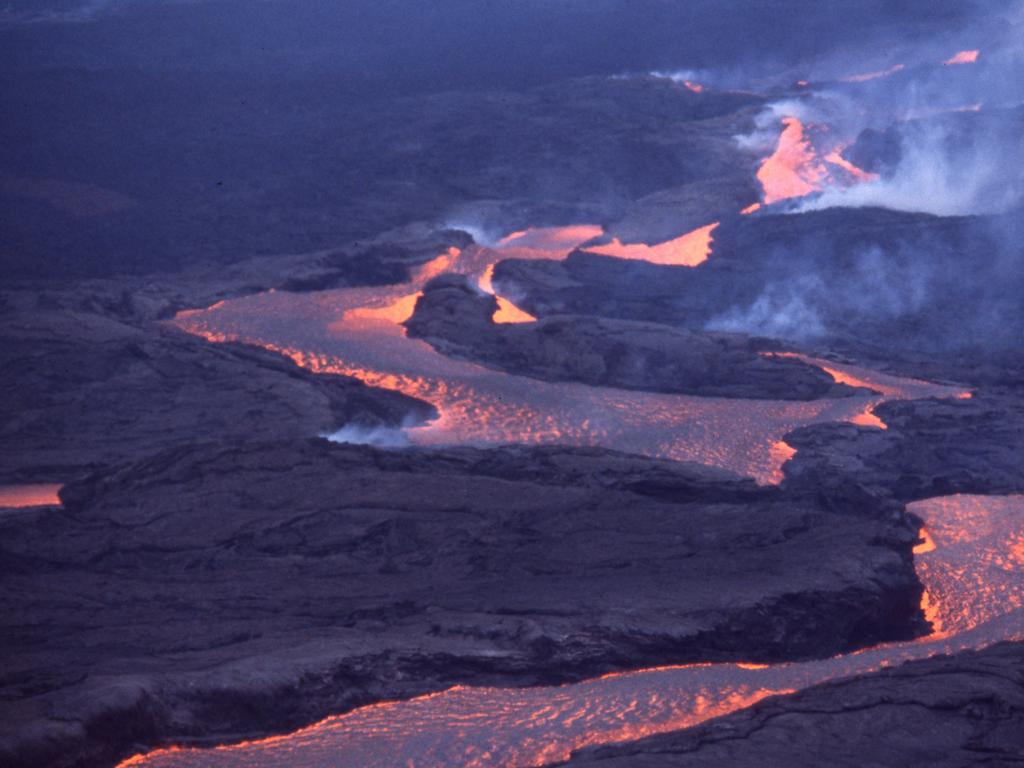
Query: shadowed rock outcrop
<point>225,588</point>
<point>931,448</point>
<point>456,319</point>
<point>950,712</point>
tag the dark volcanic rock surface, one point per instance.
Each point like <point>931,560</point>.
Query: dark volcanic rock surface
<point>83,391</point>
<point>931,448</point>
<point>947,712</point>
<point>456,319</point>
<point>218,588</point>
<point>184,179</point>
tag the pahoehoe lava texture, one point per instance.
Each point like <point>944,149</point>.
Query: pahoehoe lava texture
<point>949,712</point>
<point>218,588</point>
<point>456,320</point>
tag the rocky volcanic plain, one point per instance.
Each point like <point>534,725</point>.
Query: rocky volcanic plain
<point>218,570</point>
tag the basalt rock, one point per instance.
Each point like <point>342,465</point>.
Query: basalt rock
<point>235,588</point>
<point>950,712</point>
<point>930,448</point>
<point>456,320</point>
<point>83,390</point>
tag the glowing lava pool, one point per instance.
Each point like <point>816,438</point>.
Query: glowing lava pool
<point>972,567</point>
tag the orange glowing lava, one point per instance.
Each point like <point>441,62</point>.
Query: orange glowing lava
<point>397,311</point>
<point>836,158</point>
<point>867,418</point>
<point>437,266</point>
<point>752,208</point>
<point>356,332</point>
<point>926,545</point>
<point>552,238</point>
<point>695,87</point>
<point>849,379</point>
<point>486,281</point>
<point>963,57</point>
<point>865,77</point>
<point>691,249</point>
<point>508,312</point>
<point>23,496</point>
<point>794,169</point>
<point>781,452</point>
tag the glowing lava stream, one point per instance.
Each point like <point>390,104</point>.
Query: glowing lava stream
<point>689,250</point>
<point>357,332</point>
<point>973,573</point>
<point>795,168</point>
<point>26,496</point>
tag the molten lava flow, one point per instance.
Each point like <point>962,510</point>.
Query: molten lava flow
<point>926,545</point>
<point>551,239</point>
<point>508,312</point>
<point>794,169</point>
<point>355,332</point>
<point>691,249</point>
<point>486,282</point>
<point>695,87</point>
<point>863,78</point>
<point>974,596</point>
<point>437,266</point>
<point>888,387</point>
<point>963,57</point>
<point>397,311</point>
<point>752,208</point>
<point>970,572</point>
<point>781,452</point>
<point>836,158</point>
<point>849,379</point>
<point>22,496</point>
<point>867,418</point>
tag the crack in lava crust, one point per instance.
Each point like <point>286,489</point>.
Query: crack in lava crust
<point>972,560</point>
